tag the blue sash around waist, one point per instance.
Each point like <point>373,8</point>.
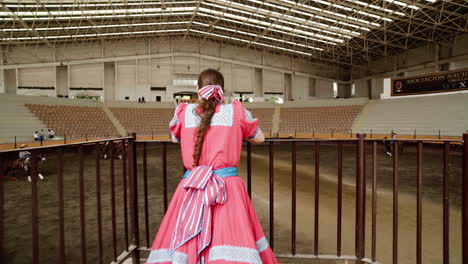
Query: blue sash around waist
<point>223,172</point>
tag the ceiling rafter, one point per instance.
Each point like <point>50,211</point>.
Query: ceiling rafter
<point>24,24</point>
<point>192,18</point>
<point>268,28</point>
<point>335,30</point>
<point>344,32</point>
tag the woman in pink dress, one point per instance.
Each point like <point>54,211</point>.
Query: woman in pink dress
<point>211,219</point>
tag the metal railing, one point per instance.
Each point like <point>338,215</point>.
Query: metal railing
<point>130,195</point>
<point>58,152</point>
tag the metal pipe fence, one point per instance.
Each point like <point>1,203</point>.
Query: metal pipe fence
<point>129,148</point>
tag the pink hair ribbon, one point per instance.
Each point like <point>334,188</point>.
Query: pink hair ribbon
<point>209,91</point>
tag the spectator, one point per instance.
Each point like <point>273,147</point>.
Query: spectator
<point>51,133</point>
<point>143,99</point>
<point>139,100</point>
<point>36,136</point>
<point>41,135</point>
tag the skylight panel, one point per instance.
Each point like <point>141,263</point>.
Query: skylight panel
<point>252,42</point>
<point>255,35</point>
<point>96,26</point>
<point>95,34</point>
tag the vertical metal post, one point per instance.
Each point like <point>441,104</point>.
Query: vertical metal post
<point>465,201</point>
<point>359,237</point>
<point>15,143</point>
<point>98,203</point>
<point>2,230</point>
<point>124,181</point>
<point>64,138</point>
<point>145,194</point>
<point>35,210</point>
<point>61,207</point>
<point>272,224</point>
<point>82,206</point>
<point>132,174</point>
<point>293,198</point>
<point>339,199</point>
<point>396,153</point>
<point>374,201</point>
<point>316,197</point>
<point>419,204</point>
<point>112,189</point>
<point>446,205</point>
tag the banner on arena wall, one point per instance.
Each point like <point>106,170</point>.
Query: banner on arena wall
<point>449,81</point>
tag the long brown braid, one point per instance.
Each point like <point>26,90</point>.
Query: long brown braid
<point>206,109</point>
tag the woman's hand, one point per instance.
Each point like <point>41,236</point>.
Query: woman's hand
<point>260,138</point>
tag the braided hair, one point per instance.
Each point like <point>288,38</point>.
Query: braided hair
<point>206,109</point>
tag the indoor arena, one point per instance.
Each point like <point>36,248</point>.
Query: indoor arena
<point>363,105</point>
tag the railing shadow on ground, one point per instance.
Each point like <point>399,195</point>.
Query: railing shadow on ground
<point>135,224</point>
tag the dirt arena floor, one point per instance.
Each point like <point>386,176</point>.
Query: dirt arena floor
<point>17,205</point>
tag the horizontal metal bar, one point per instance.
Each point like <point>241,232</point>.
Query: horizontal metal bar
<point>424,140</point>
<point>65,145</point>
<point>331,257</point>
<point>154,141</point>
<point>427,140</point>
<point>311,256</point>
<point>268,140</point>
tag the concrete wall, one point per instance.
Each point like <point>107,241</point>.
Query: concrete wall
<point>44,78</point>
<point>301,88</point>
<point>324,88</point>
<point>422,60</point>
<point>2,82</point>
<point>131,68</point>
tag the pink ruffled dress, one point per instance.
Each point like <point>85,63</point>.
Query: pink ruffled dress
<point>211,218</point>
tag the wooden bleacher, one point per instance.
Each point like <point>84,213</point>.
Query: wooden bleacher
<point>75,121</point>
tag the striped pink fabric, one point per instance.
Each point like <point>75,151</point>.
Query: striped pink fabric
<point>211,91</point>
<point>204,190</point>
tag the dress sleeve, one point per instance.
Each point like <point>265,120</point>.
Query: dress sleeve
<point>249,124</point>
<point>175,125</point>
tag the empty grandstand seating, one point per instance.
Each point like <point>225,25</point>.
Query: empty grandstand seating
<point>86,118</point>
<point>320,119</point>
<point>427,115</point>
<point>74,121</point>
<point>144,120</point>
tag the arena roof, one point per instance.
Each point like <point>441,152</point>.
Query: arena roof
<point>345,32</point>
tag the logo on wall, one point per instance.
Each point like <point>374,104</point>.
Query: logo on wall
<point>449,81</point>
<point>398,86</point>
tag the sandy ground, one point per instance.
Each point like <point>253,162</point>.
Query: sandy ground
<point>18,204</point>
